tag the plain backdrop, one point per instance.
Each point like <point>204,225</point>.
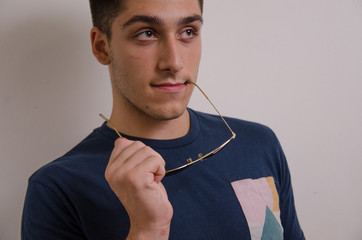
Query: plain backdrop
<point>294,65</point>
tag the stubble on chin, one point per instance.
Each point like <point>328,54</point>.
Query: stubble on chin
<point>152,111</point>
<point>129,98</point>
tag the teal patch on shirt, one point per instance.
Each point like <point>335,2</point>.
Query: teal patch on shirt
<point>271,229</point>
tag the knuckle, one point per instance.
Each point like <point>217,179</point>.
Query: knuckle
<point>148,150</point>
<point>109,175</point>
<point>161,160</point>
<point>130,178</point>
<point>139,144</point>
<point>116,179</point>
<point>120,141</point>
<point>156,157</point>
<point>120,144</point>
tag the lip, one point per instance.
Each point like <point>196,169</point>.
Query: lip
<point>170,87</point>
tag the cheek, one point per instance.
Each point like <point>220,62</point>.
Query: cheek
<point>132,60</point>
<point>194,59</point>
<point>138,61</point>
<point>195,52</point>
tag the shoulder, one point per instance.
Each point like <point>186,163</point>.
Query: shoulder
<point>86,157</point>
<point>246,131</point>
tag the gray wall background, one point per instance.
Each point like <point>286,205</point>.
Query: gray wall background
<point>295,66</point>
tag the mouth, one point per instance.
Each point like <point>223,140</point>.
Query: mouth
<point>170,87</point>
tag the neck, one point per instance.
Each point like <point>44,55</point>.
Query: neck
<point>137,124</point>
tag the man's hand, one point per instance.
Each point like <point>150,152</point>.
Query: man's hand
<point>134,173</point>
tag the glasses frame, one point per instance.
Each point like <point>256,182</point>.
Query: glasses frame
<point>201,156</point>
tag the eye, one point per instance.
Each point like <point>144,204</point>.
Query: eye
<point>188,33</point>
<point>146,35</point>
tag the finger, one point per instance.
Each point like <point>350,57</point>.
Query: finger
<point>153,167</point>
<point>141,155</point>
<point>130,156</point>
<point>119,146</point>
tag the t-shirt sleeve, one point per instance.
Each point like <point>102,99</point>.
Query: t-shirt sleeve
<point>288,215</point>
<point>47,215</point>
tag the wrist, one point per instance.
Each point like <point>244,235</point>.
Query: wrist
<point>150,234</point>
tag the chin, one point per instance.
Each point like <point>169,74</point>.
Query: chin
<point>168,114</point>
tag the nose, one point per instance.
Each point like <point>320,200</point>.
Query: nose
<point>170,59</point>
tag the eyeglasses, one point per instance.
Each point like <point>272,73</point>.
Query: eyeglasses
<point>201,156</point>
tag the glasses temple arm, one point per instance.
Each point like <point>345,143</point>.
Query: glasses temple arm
<point>110,123</point>
<point>232,132</point>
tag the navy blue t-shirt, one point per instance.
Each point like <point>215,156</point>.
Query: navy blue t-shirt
<point>242,192</point>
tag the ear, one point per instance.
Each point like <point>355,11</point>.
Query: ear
<point>100,46</point>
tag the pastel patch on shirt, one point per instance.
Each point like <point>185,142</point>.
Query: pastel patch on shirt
<point>259,200</point>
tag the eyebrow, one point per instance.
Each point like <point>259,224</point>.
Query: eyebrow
<point>143,18</point>
<point>188,20</point>
<point>157,21</point>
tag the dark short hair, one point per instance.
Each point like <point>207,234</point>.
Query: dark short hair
<point>105,11</point>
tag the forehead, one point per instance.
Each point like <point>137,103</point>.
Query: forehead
<point>167,10</point>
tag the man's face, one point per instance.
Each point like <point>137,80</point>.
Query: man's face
<point>155,49</point>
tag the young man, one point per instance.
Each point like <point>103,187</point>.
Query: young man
<point>111,187</point>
